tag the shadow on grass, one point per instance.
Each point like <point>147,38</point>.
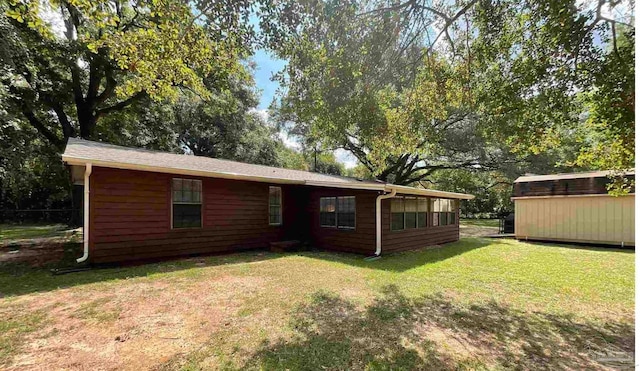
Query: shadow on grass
<point>402,261</point>
<point>432,332</point>
<point>583,246</point>
<point>21,279</point>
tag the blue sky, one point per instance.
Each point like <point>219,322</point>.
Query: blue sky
<point>266,66</point>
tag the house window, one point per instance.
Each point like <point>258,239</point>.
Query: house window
<point>275,206</point>
<point>327,211</point>
<point>346,212</point>
<point>410,212</point>
<point>338,212</point>
<point>443,211</point>
<point>423,208</point>
<point>186,203</point>
<point>397,214</point>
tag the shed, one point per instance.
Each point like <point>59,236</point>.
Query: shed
<point>573,207</point>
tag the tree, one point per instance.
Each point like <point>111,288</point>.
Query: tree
<point>519,75</point>
<point>111,54</point>
<point>349,86</point>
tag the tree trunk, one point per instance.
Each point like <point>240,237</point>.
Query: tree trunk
<point>86,119</point>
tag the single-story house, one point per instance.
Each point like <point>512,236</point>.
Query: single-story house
<point>573,207</point>
<point>141,204</point>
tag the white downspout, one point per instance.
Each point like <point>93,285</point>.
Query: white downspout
<point>85,229</point>
<point>379,219</point>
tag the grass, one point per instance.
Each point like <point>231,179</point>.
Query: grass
<point>14,327</point>
<point>481,222</point>
<point>18,232</point>
<point>473,304</point>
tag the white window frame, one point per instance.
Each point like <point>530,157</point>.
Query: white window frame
<point>280,206</point>
<point>187,203</point>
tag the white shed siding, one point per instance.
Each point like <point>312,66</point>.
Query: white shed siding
<point>589,218</point>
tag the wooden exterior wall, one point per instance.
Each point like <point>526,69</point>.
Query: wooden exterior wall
<point>131,216</point>
<point>408,239</point>
<point>589,219</point>
<point>130,219</point>
<point>360,240</point>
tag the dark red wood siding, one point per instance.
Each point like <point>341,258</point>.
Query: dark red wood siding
<point>131,216</point>
<point>131,219</point>
<point>361,240</point>
<point>394,241</point>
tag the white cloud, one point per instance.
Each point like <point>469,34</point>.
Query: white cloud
<point>262,113</point>
<point>346,158</point>
<point>288,140</point>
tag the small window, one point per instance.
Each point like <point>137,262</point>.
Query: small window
<point>423,209</point>
<point>410,212</point>
<point>275,206</point>
<point>347,212</point>
<point>397,214</point>
<point>327,211</point>
<point>186,203</point>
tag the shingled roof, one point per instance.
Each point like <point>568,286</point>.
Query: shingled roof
<point>81,152</point>
<point>566,176</point>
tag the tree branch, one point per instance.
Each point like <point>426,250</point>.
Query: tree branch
<point>42,129</point>
<point>122,104</point>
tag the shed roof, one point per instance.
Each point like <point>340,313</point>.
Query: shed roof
<point>81,152</point>
<point>565,176</point>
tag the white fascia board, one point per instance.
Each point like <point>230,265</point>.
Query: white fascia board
<point>179,171</point>
<point>347,185</point>
<point>428,192</point>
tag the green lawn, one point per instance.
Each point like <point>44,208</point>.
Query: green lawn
<point>481,222</point>
<point>18,232</point>
<point>474,304</point>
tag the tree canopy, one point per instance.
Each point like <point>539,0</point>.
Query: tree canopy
<point>415,87</point>
<point>448,94</point>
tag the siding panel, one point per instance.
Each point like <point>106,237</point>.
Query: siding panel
<point>408,239</point>
<point>596,219</point>
<point>131,217</point>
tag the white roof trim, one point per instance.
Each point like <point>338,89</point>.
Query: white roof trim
<point>428,192</point>
<point>177,171</point>
<point>381,187</point>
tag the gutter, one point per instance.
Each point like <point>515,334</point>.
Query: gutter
<point>379,219</point>
<point>85,229</point>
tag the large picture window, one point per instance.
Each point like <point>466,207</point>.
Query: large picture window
<point>412,212</point>
<point>443,211</point>
<point>275,206</point>
<point>186,195</point>
<point>338,212</point>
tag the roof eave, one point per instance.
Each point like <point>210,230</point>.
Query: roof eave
<point>428,192</point>
<point>177,171</point>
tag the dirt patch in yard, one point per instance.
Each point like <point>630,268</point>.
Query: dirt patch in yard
<point>131,327</point>
<point>41,251</point>
<point>467,230</point>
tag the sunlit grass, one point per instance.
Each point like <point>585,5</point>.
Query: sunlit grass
<point>505,302</point>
